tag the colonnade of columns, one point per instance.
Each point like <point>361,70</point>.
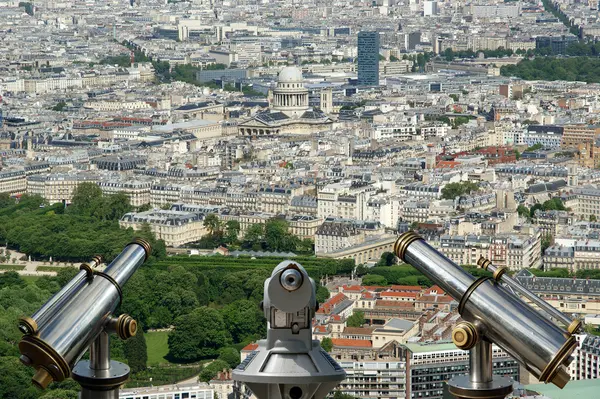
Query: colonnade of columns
<point>291,100</point>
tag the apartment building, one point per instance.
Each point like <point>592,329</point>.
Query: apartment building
<point>434,364</point>
<point>569,295</point>
<point>178,391</point>
<point>412,370</point>
<point>58,187</point>
<point>162,194</point>
<point>138,192</point>
<point>584,202</point>
<point>175,228</point>
<point>510,250</point>
<point>576,134</point>
<point>13,181</point>
<point>344,200</point>
<point>550,222</point>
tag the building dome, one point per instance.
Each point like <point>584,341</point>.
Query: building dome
<point>290,75</point>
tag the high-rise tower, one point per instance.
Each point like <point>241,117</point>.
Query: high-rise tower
<point>368,58</point>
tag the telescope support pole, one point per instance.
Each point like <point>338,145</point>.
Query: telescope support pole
<point>480,383</point>
<point>480,362</point>
<point>100,377</point>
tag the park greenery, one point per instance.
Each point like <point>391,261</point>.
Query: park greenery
<point>453,190</point>
<point>88,227</point>
<point>274,235</point>
<point>582,69</point>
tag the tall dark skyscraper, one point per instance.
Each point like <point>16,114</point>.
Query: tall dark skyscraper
<point>368,58</point>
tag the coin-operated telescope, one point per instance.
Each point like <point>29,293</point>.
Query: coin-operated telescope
<point>78,317</point>
<point>289,364</point>
<point>492,314</point>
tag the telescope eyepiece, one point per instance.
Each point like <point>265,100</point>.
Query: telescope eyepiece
<point>291,279</point>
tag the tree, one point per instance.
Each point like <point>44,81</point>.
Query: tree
<point>198,335</point>
<point>209,372</point>
<point>233,230</point>
<point>327,344</point>
<point>356,320</point>
<point>243,319</point>
<point>554,204</point>
<point>546,242</point>
<point>60,106</point>
<point>11,278</point>
<point>5,200</point>
<point>453,190</point>
<point>322,294</point>
<point>387,259</point>
<point>212,223</point>
<point>374,279</point>
<point>136,352</point>
<point>254,235</point>
<point>230,355</point>
<point>534,208</point>
<point>86,199</point>
<point>523,211</point>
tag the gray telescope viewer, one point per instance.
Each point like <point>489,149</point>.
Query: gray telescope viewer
<point>78,317</point>
<point>493,314</point>
<point>289,364</point>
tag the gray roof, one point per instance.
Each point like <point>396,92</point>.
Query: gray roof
<point>552,285</point>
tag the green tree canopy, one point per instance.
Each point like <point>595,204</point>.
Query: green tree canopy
<point>230,355</point>
<point>327,344</point>
<point>243,319</point>
<point>198,335</point>
<point>374,279</point>
<point>210,371</point>
<point>136,352</point>
<point>453,190</point>
<point>356,320</point>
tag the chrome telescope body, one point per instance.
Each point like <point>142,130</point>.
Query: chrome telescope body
<point>572,325</point>
<point>58,334</point>
<point>493,314</point>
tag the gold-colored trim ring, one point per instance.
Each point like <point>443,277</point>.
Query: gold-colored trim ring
<point>144,244</point>
<point>469,291</point>
<point>499,272</point>
<point>97,260</point>
<point>44,357</point>
<point>484,263</point>
<point>88,269</point>
<point>126,326</point>
<point>465,335</point>
<point>574,326</point>
<point>29,324</point>
<point>563,353</point>
<point>403,242</point>
<point>112,281</point>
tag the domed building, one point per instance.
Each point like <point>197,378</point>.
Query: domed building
<point>289,112</point>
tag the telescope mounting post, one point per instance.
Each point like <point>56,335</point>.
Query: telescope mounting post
<point>100,377</point>
<point>480,382</point>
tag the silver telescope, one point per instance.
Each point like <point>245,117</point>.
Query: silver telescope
<point>499,274</point>
<point>492,315</point>
<point>78,317</point>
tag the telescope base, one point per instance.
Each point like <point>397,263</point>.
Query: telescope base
<point>100,384</point>
<point>462,388</point>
